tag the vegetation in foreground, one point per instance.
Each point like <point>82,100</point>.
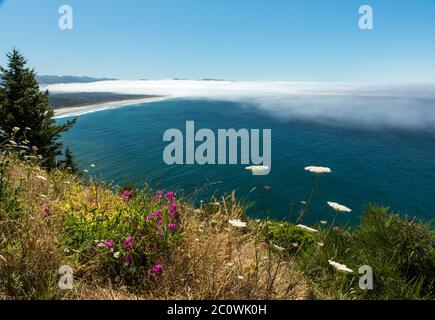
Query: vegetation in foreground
<point>126,243</point>
<point>145,244</point>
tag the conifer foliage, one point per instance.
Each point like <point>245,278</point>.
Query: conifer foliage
<point>23,105</point>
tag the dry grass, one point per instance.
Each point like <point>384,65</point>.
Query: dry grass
<point>213,260</point>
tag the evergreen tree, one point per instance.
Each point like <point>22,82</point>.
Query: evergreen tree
<point>24,105</point>
<point>69,162</point>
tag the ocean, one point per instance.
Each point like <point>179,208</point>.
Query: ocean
<point>388,166</point>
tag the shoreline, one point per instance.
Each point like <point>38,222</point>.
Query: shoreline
<point>65,112</point>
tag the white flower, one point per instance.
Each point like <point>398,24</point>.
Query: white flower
<point>339,266</point>
<point>240,277</point>
<point>323,222</point>
<point>338,207</point>
<point>278,247</point>
<point>43,196</point>
<point>307,228</point>
<point>259,170</point>
<point>117,254</point>
<point>320,244</point>
<point>41,178</point>
<point>15,129</point>
<point>318,170</point>
<point>237,223</point>
<point>85,171</point>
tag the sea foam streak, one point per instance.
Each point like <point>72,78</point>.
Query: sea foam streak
<point>400,106</point>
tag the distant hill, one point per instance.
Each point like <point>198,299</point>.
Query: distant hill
<point>47,79</point>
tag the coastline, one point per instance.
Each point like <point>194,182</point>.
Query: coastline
<point>65,112</point>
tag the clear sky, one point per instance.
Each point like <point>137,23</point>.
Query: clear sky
<point>309,40</point>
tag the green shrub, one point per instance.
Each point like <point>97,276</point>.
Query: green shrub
<point>288,236</point>
<point>399,250</point>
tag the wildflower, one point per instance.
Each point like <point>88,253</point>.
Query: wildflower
<point>237,223</point>
<point>303,202</point>
<point>318,170</point>
<point>108,244</point>
<point>173,210</point>
<point>172,227</point>
<point>338,207</point>
<point>259,170</point>
<point>336,229</point>
<point>339,266</point>
<point>320,244</point>
<point>155,270</point>
<point>128,244</point>
<point>323,222</point>
<point>46,209</point>
<point>15,129</point>
<point>158,195</point>
<point>117,254</point>
<point>158,214</point>
<point>92,165</point>
<point>240,277</point>
<point>170,196</point>
<point>126,194</point>
<point>307,228</point>
<point>42,178</point>
<point>128,260</point>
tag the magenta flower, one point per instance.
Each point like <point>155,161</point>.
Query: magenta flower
<point>170,196</point>
<point>128,244</point>
<point>150,216</point>
<point>172,227</point>
<point>155,270</point>
<point>158,195</point>
<point>173,209</point>
<point>158,213</point>
<point>128,260</point>
<point>109,244</point>
<point>126,194</point>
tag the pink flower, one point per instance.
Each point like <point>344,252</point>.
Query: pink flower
<point>158,195</point>
<point>155,270</point>
<point>128,244</point>
<point>109,244</point>
<point>172,227</point>
<point>173,209</point>
<point>336,229</point>
<point>170,196</point>
<point>128,260</point>
<point>126,194</point>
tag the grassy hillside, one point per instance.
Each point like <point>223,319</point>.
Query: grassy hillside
<point>126,243</point>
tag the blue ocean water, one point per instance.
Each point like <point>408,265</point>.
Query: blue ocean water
<point>389,167</point>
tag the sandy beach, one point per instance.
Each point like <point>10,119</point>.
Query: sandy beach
<point>79,110</point>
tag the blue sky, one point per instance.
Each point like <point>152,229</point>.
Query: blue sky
<point>307,40</point>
